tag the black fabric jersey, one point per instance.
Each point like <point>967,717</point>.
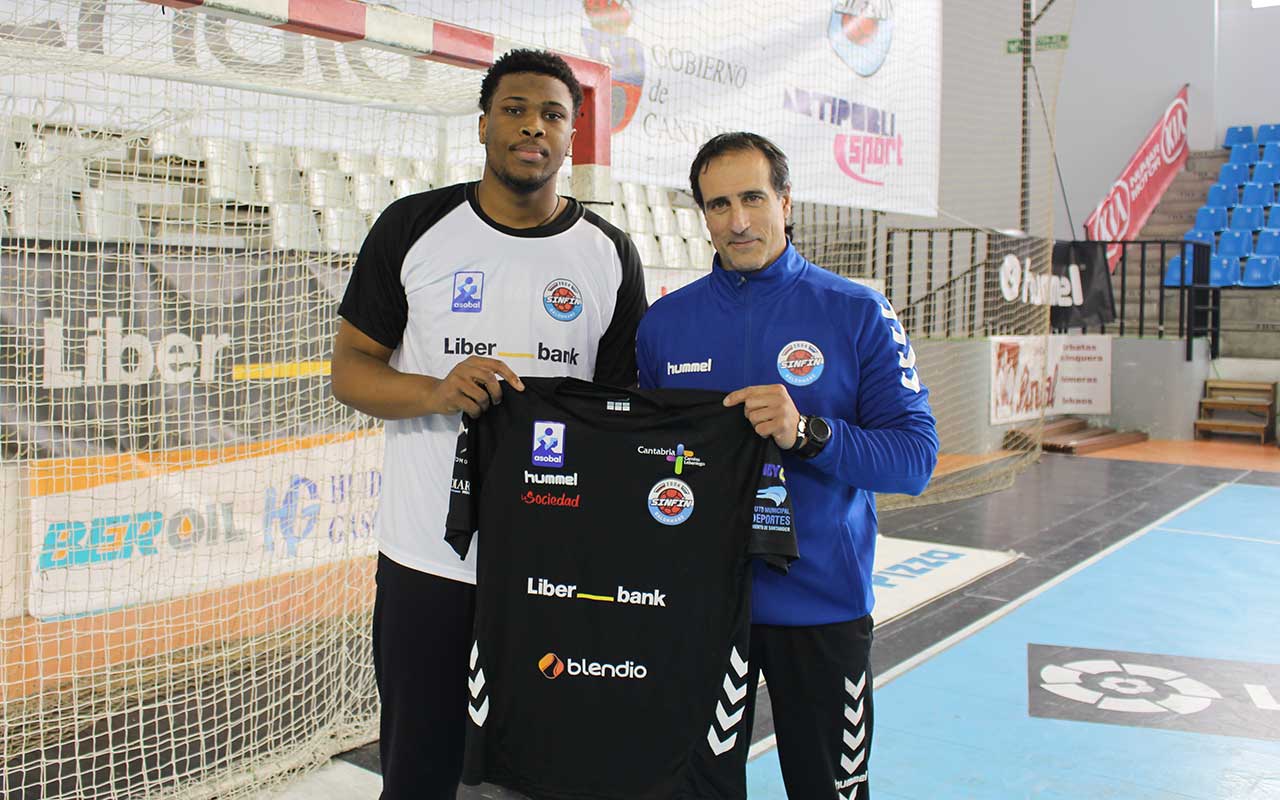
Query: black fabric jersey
<point>612,624</point>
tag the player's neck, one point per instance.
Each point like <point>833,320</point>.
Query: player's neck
<point>515,209</point>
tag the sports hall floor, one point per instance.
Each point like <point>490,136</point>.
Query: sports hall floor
<point>1129,650</point>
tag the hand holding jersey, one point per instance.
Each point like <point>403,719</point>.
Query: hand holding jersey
<point>770,410</point>
<point>472,386</point>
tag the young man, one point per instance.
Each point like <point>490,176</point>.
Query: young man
<point>454,291</point>
<point>821,365</point>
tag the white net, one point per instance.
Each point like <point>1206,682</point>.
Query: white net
<point>185,558</point>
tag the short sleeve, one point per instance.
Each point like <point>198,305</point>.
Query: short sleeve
<point>773,537</point>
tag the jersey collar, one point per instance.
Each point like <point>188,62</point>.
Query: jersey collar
<point>776,276</point>
<point>564,221</point>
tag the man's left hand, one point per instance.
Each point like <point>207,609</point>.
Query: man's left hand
<point>770,410</point>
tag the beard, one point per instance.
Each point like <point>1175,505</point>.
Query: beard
<point>518,184</point>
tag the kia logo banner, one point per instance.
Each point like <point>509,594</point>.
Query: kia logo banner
<point>1131,199</point>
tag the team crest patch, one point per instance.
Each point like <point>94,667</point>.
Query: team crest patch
<point>800,363</point>
<point>671,501</point>
<point>562,300</point>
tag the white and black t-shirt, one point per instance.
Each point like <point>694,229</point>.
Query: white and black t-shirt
<point>437,280</point>
<point>613,611</point>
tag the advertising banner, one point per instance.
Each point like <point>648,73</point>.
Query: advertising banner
<point>1080,269</point>
<point>1049,375</point>
<point>1134,195</point>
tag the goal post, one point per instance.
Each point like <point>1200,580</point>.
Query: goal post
<point>186,557</point>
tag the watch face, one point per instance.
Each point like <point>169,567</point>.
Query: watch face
<point>819,429</point>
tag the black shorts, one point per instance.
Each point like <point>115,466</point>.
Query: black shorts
<point>819,681</point>
<point>421,631</point>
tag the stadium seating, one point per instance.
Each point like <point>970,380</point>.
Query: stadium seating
<point>1173,273</point>
<point>1266,172</point>
<point>1246,218</point>
<point>1224,271</point>
<point>1211,218</point>
<point>1236,244</point>
<point>1271,152</point>
<point>1238,134</point>
<point>1261,272</point>
<point>1269,133</point>
<point>1244,153</point>
<point>1273,217</point>
<point>1222,195</point>
<point>1257,194</point>
<point>1268,243</point>
<point>1233,174</point>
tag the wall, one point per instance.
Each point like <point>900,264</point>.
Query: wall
<point>1125,63</point>
<point>1154,388</point>
<point>1248,65</point>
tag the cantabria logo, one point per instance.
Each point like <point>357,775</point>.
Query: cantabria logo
<point>114,355</point>
<point>552,667</point>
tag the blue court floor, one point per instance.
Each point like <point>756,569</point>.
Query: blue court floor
<point>1149,671</point>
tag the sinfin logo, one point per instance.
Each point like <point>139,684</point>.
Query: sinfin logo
<point>562,300</point>
<point>671,501</point>
<point>861,33</point>
<point>800,363</point>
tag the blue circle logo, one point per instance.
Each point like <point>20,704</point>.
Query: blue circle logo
<point>562,300</point>
<point>800,363</point>
<point>671,501</point>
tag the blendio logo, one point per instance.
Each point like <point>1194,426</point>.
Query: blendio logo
<point>552,667</point>
<point>688,366</point>
<point>555,479</point>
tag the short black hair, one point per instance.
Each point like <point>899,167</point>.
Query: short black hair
<point>541,62</point>
<point>737,141</point>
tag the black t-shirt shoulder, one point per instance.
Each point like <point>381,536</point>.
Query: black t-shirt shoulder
<point>616,358</point>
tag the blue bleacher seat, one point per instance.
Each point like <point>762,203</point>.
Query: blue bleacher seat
<point>1244,153</point>
<point>1266,172</point>
<point>1238,134</point>
<point>1268,242</point>
<point>1198,235</point>
<point>1221,196</point>
<point>1258,194</point>
<point>1270,152</point>
<point>1261,271</point>
<point>1224,271</point>
<point>1173,273</point>
<point>1246,218</point>
<point>1235,243</point>
<point>1268,133</point>
<point>1233,174</point>
<point>1273,217</point>
<point>1211,218</point>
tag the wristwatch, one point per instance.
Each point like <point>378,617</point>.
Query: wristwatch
<point>812,434</point>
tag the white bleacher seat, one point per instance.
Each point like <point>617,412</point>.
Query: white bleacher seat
<point>56,161</point>
<point>293,227</point>
<point>4,223</point>
<point>664,222</point>
<point>309,159</point>
<point>639,220</point>
<point>147,193</point>
<point>355,163</point>
<point>689,223</point>
<point>265,154</point>
<point>656,283</point>
<point>632,194</point>
<point>280,184</point>
<point>373,193</point>
<point>42,212</point>
<point>700,253</point>
<point>392,166</point>
<point>657,196</point>
<point>328,189</point>
<point>647,247</point>
<point>405,186</point>
<point>174,143</point>
<point>675,254</point>
<point>227,173</point>
<point>612,214</point>
<point>343,229</point>
<point>109,216</point>
<point>464,172</point>
<point>615,193</point>
<point>425,168</point>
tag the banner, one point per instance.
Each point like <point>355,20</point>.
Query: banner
<point>1084,282</point>
<point>849,89</point>
<point>1125,209</point>
<point>1033,376</point>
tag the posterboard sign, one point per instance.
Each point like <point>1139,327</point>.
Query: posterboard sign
<point>1033,376</point>
<point>106,543</point>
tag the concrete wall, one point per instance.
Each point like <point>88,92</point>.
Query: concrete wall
<point>1248,86</point>
<point>1125,63</point>
<point>1154,388</point>
<point>15,540</point>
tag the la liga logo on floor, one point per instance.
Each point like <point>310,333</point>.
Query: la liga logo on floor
<point>1153,690</point>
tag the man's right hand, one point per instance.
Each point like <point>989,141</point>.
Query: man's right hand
<point>472,386</point>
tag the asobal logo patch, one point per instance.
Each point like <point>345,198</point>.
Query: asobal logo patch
<point>548,444</point>
<point>468,292</point>
<point>1200,695</point>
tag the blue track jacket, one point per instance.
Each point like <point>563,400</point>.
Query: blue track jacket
<point>840,351</point>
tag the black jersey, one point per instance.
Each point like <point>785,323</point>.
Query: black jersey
<point>615,530</point>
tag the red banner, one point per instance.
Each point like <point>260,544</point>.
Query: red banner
<point>1133,197</point>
